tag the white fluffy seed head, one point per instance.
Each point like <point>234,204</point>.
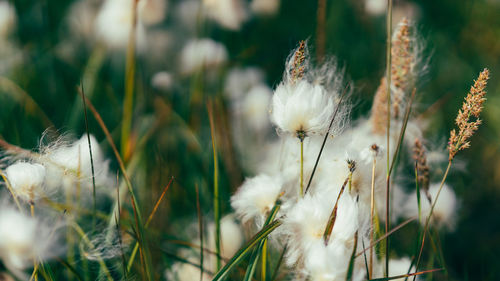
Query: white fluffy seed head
<point>255,108</point>
<point>240,80</point>
<point>265,7</point>
<point>302,107</point>
<point>256,197</point>
<point>152,11</point>
<point>307,221</point>
<point>8,18</point>
<point>400,266</point>
<point>114,23</point>
<point>70,163</point>
<point>202,53</point>
<point>162,80</point>
<point>23,238</point>
<point>27,180</point>
<point>229,14</point>
<point>444,214</point>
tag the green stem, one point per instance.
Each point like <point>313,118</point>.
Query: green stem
<point>427,221</point>
<point>301,167</point>
<point>128,102</point>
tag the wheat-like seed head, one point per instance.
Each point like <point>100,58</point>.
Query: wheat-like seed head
<point>468,116</point>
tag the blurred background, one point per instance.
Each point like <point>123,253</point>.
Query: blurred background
<point>193,57</point>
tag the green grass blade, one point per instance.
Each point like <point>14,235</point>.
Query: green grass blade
<point>350,268</point>
<point>216,185</point>
<point>245,250</point>
<point>257,251</point>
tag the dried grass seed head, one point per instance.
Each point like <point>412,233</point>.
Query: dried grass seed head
<point>467,119</point>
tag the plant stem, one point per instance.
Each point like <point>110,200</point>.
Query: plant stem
<point>388,76</point>
<point>301,167</point>
<point>128,102</point>
<point>372,211</point>
<point>427,221</point>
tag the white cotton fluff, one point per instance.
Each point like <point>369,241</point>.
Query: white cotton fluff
<point>202,53</point>
<point>152,11</point>
<point>255,108</point>
<point>265,7</point>
<point>114,23</point>
<point>8,18</point>
<point>231,237</point>
<point>181,271</point>
<point>375,7</point>
<point>256,197</point>
<point>307,220</point>
<point>70,164</point>
<point>229,14</point>
<point>400,267</point>
<point>162,80</point>
<point>302,107</point>
<point>240,80</point>
<point>27,180</point>
<point>444,214</point>
<point>81,18</point>
<point>22,239</point>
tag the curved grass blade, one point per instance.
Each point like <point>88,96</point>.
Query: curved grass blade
<point>245,250</point>
<point>350,269</point>
<point>257,251</point>
<point>333,215</point>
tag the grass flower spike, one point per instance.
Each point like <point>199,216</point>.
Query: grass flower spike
<point>468,116</point>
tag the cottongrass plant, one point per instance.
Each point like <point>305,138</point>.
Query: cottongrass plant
<point>312,212</point>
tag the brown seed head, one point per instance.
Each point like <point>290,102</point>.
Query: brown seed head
<point>467,119</point>
<point>420,157</point>
<point>299,58</point>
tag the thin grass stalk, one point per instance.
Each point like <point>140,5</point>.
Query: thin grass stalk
<point>35,263</point>
<point>325,138</point>
<point>128,103</point>
<point>150,218</point>
<point>388,76</point>
<point>427,221</point>
<point>302,167</point>
<point>385,235</point>
<point>90,149</point>
<point>137,214</point>
<point>11,190</point>
<point>407,275</point>
<point>321,31</point>
<point>70,268</point>
<point>89,243</point>
<point>278,264</point>
<point>372,211</point>
<point>216,186</point>
<point>200,228</point>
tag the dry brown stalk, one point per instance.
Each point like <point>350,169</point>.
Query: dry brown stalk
<point>468,116</point>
